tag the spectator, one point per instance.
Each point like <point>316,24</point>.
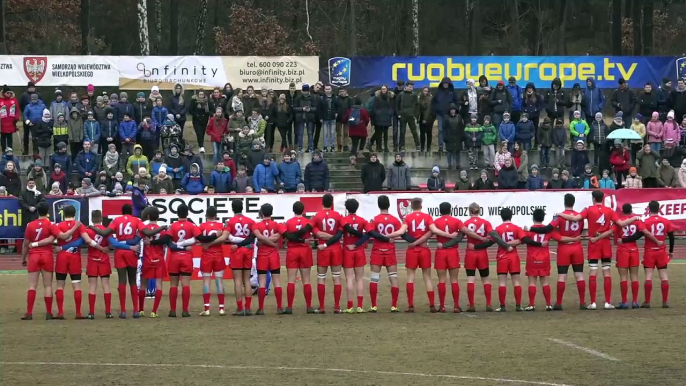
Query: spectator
<point>328,112</point>
<point>601,146</point>
<point>59,177</point>
<point>102,180</point>
<point>147,133</point>
<point>517,95</point>
<point>620,161</point>
<point>576,102</point>
<point>283,118</point>
<point>59,131</point>
<point>439,104</point>
<point>534,181</point>
<point>235,104</point>
<point>8,121</point>
<point>159,113</point>
<point>525,132</point>
<point>640,129</point>
<point>61,157</point>
<point>663,94</point>
<point>594,100</point>
<point>488,141</point>
<point>469,101</point>
<point>175,167</point>
<point>521,161</point>
<point>501,102</point>
<point>506,131</point>
<point>100,110</point>
<point>406,110</point>
<point>55,190</point>
<point>217,128</point>
<point>579,158</point>
<point>178,106</point>
<point>317,175</point>
<point>647,162</point>
<point>399,175</point>
<point>142,108</point>
<point>502,155</point>
<point>171,133</point>
<point>301,188</point>
<point>200,113</point>
<point>382,114</point>
<point>138,199</point>
<point>290,174</point>
<point>37,174</point>
<point>7,157</point>
<point>508,177</point>
<point>483,92</point>
<point>483,183</point>
<point>559,139</point>
<point>137,161</point>
<point>249,189</point>
<point>123,107</point>
<point>555,182</point>
<point>589,180</point>
<point>87,161</point>
<point>236,123</point>
<point>229,164</point>
<point>251,100</point>
<point>358,119</point>
<point>666,176</point>
<point>578,128</point>
<point>453,135</point>
<point>463,183</point>
<point>41,132</point>
<point>91,130</point>
<point>90,91</point>
<point>373,175</point>
<point>244,145</point>
<point>544,137</point>
<point>258,126</point>
<point>189,158</point>
<point>532,104</point>
<point>156,162</point>
<point>218,99</point>
<point>435,183</point>
<point>241,182</point>
<point>345,102</point>
<point>426,119</point>
<point>143,176</point>
<point>681,174</point>
<point>255,157</point>
<point>74,101</point>
<point>220,178</point>
<point>606,182</point>
<point>162,181</point>
<point>194,182</point>
<point>25,98</point>
<point>32,116</point>
<point>472,138</point>
<point>29,199</point>
<point>677,98</point>
<point>623,98</point>
<point>264,176</point>
<point>305,110</point>
<point>228,92</point>
<point>655,131</point>
<point>109,130</point>
<point>127,134</point>
<point>647,102</point>
<point>111,160</point>
<point>633,180</point>
<point>567,183</point>
<point>59,105</point>
<point>555,100</point>
<point>10,177</point>
<point>672,134</point>
<point>316,95</point>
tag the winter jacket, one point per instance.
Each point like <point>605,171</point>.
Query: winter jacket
<point>28,199</point>
<point>594,99</point>
<point>453,132</point>
<point>128,129</point>
<point>147,132</point>
<point>534,182</point>
<point>480,184</point>
<point>677,101</point>
<point>383,110</point>
<point>317,176</point>
<point>359,130</point>
<point>63,159</point>
<point>559,136</point>
<point>406,105</point>
<point>483,97</point>
<point>344,103</point>
<point>647,103</point>
<point>177,104</point>
<point>165,183</point>
<point>624,100</point>
<point>554,183</point>
<point>399,176</point>
<point>544,135</point>
<point>505,99</point>
<point>646,164</point>
<point>141,110</point>
<point>61,107</point>
<point>189,160</point>
<point>60,179</point>
<point>11,181</point>
<point>200,111</point>
<point>555,100</point>
<point>425,109</point>
<point>671,133</point>
<point>523,165</point>
<point>221,180</point>
<point>605,183</point>
<point>175,163</point>
<point>578,127</point>
<point>100,113</point>
<point>508,178</point>
<point>255,157</point>
<point>620,160</point>
<point>666,177</point>
<point>213,103</point>
<point>507,131</point>
<point>444,97</point>
<point>640,129</point>
<point>216,129</point>
<point>135,162</point>
<point>532,104</point>
<point>633,182</point>
<point>91,131</point>
<point>655,131</point>
<point>159,115</point>
<point>490,134</point>
<point>155,166</point>
<point>517,96</point>
<point>579,161</point>
<point>328,107</point>
<point>681,174</point>
<point>500,159</point>
<point>75,126</point>
<point>254,102</point>
<point>109,128</point>
<point>599,132</point>
<point>435,184</point>
<point>302,101</point>
<point>290,175</point>
<point>263,177</point>
<point>373,176</point>
<point>525,131</point>
<point>576,100</point>
<point>283,115</point>
<point>40,178</point>
<point>463,184</point>
<point>122,108</point>
<point>193,183</point>
<point>9,114</point>
<point>34,112</point>
<point>87,162</point>
<point>473,135</point>
<point>568,184</point>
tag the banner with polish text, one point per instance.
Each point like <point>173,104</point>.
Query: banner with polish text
<point>59,70</point>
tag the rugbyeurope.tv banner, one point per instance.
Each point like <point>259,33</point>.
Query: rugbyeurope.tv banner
<point>364,72</point>
<point>11,214</point>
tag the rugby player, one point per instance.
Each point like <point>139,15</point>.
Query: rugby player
<point>154,267</point>
<point>212,260</point>
<point>354,260</point>
<point>267,234</point>
<point>298,258</point>
<point>180,263</point>
<point>655,254</point>
<point>239,233</point>
<point>326,225</point>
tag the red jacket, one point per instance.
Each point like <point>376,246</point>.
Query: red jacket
<point>359,130</point>
<point>9,114</point>
<point>217,129</point>
<point>620,161</point>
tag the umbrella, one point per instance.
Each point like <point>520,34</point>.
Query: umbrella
<point>624,134</point>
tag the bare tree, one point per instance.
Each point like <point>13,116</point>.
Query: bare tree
<point>158,27</point>
<point>616,27</point>
<point>3,30</point>
<point>143,35</point>
<point>648,25</point>
<point>174,27</point>
<point>636,10</point>
<point>415,27</point>
<point>516,36</point>
<point>562,33</point>
<point>85,26</point>
<point>475,30</point>
<point>353,29</point>
<point>200,32</point>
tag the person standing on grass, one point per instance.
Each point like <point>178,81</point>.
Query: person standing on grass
<point>655,254</point>
<point>298,258</point>
<point>267,234</point>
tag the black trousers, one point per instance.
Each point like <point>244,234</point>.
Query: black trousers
<point>425,135</point>
<point>285,132</point>
<point>269,135</point>
<point>6,141</point>
<point>380,134</point>
<point>199,133</point>
<point>27,130</point>
<point>357,141</point>
<point>317,131</point>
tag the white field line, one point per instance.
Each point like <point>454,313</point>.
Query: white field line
<point>584,349</point>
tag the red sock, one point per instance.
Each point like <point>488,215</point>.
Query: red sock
<point>455,287</point>
<point>321,295</point>
<point>337,289</point>
<point>665,290</point>
<point>634,291</point>
<point>488,289</point>
<point>532,295</point>
<point>502,293</point>
<point>290,294</point>
<point>561,285</point>
<point>470,294</point>
<point>307,291</point>
<point>108,302</point>
<point>518,295</point>
<point>59,296</point>
<point>395,293</point>
<point>581,289</point>
<point>134,297</point>
<point>278,292</point>
<point>206,300</point>
<point>48,304</point>
<point>158,299</point>
<point>121,288</point>
<point>185,297</point>
<point>648,290</point>
<point>546,294</point>
<point>607,283</point>
<point>248,302</point>
<point>30,301</point>
<point>350,304</point>
<point>432,297</point>
<point>373,292</point>
<point>239,304</point>
<point>173,294</point>
<point>261,293</point>
<point>91,303</point>
<point>141,300</point>
<point>623,287</point>
<point>441,294</point>
<point>360,301</point>
<point>220,299</point>
<point>593,287</point>
<point>78,297</point>
<point>409,288</point>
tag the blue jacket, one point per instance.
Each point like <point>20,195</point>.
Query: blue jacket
<point>221,181</point>
<point>517,96</point>
<point>525,131</point>
<point>3,163</point>
<point>87,162</point>
<point>138,200</point>
<point>534,183</point>
<point>91,131</point>
<point>593,98</point>
<point>507,131</point>
<point>155,167</point>
<point>193,184</point>
<point>263,177</point>
<point>64,160</point>
<point>121,108</point>
<point>290,175</point>
<point>128,129</point>
<point>34,112</point>
<point>603,183</point>
<point>444,97</point>
<point>109,128</point>
<point>159,115</point>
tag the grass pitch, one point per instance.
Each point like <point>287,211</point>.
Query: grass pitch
<point>632,347</point>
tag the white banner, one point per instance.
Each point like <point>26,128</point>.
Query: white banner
<point>54,70</point>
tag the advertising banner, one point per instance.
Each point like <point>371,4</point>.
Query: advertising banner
<point>364,72</point>
<point>54,70</point>
<point>672,203</point>
<point>11,214</point>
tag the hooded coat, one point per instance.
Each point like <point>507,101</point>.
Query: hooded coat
<point>444,97</point>
<point>177,104</point>
<point>383,110</point>
<point>555,100</point>
<point>525,131</point>
<point>484,97</point>
<point>9,113</point>
<point>159,182</point>
<point>75,125</point>
<point>399,176</point>
<point>373,176</point>
<point>507,177</point>
<point>666,177</point>
<point>453,131</point>
<point>317,176</point>
<point>647,103</point>
<point>594,99</point>
<point>532,104</point>
<point>517,96</point>
<point>194,183</point>
<point>290,175</point>
<point>501,100</point>
<point>263,177</point>
<point>647,161</point>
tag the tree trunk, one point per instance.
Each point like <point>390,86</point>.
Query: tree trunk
<point>617,27</point>
<point>475,32</point>
<point>636,9</point>
<point>200,32</point>
<point>562,34</point>
<point>468,24</point>
<point>85,26</point>
<point>648,8</point>
<point>415,27</point>
<point>143,35</point>
<point>174,28</point>
<point>158,27</point>
<point>515,49</point>
<point>353,29</point>
<point>3,33</point>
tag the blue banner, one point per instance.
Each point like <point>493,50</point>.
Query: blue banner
<point>365,72</point>
<point>11,213</point>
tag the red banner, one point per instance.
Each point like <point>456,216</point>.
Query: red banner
<point>672,202</point>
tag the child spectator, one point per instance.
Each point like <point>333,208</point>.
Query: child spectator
<point>605,181</point>
<point>91,132</point>
<point>127,135</point>
<point>241,182</point>
<point>435,183</point>
<point>672,134</point>
<point>60,131</point>
<point>488,141</point>
<point>506,131</point>
<point>588,179</point>
<point>579,158</point>
<point>162,181</point>
<point>633,180</point>
<point>620,159</point>
<point>41,132</point>
<point>55,191</point>
<point>147,132</point>
<point>473,136</point>
<point>156,162</point>
<point>59,177</point>
<point>666,176</point>
<point>137,160</point>
<point>559,139</point>
<point>175,166</point>
<point>220,178</point>
<point>194,182</point>
<point>229,165</point>
<point>578,128</point>
<point>544,138</point>
<point>502,156</point>
<point>109,130</point>
<point>524,132</point>
<point>534,181</point>
<point>656,132</point>
<point>640,129</point>
<point>111,160</point>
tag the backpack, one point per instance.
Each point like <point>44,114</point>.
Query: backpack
<point>354,118</point>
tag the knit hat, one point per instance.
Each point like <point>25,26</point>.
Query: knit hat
<point>6,89</point>
<point>621,81</point>
<point>666,80</point>
<point>483,171</point>
<point>506,114</point>
<point>525,115</point>
<point>577,113</point>
<point>638,116</point>
<point>102,173</point>
<point>655,115</point>
<point>114,96</point>
<point>473,116</point>
<point>306,87</point>
<point>163,169</point>
<point>501,82</point>
<point>511,79</point>
<point>86,180</point>
<point>99,99</point>
<point>565,173</point>
<point>170,117</point>
<point>598,115</point>
<point>38,163</point>
<point>470,82</point>
<point>31,84</point>
<point>256,142</point>
<point>155,89</point>
<point>123,94</point>
<point>140,94</point>
<point>57,166</point>
<point>463,173</point>
<point>670,114</point>
<point>111,146</point>
<point>60,145</point>
<point>435,169</point>
<point>619,115</point>
<point>534,166</point>
<point>58,92</point>
<point>556,171</point>
<point>90,88</point>
<point>580,141</point>
<point>588,166</point>
<point>291,84</point>
<point>55,185</point>
<point>632,169</point>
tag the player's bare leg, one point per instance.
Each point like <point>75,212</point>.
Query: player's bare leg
<point>321,288</point>
<point>395,289</point>
<point>349,289</point>
<point>158,297</point>
<point>307,288</point>
<point>337,288</point>
<point>238,291</point>
<point>409,289</point>
<point>442,277</point>
<point>374,276</point>
<point>633,275</point>
<point>185,294</point>
<point>623,287</point>
<point>173,293</point>
<point>455,289</point>
<point>426,274</point>
<point>247,292</point>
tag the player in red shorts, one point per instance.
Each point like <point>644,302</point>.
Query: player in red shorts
<point>655,255</point>
<point>298,257</point>
<point>627,254</point>
<point>267,234</point>
<point>354,260</point>
<point>212,259</point>
<point>383,252</point>
<point>180,263</point>
<point>238,232</point>
<point>600,219</point>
